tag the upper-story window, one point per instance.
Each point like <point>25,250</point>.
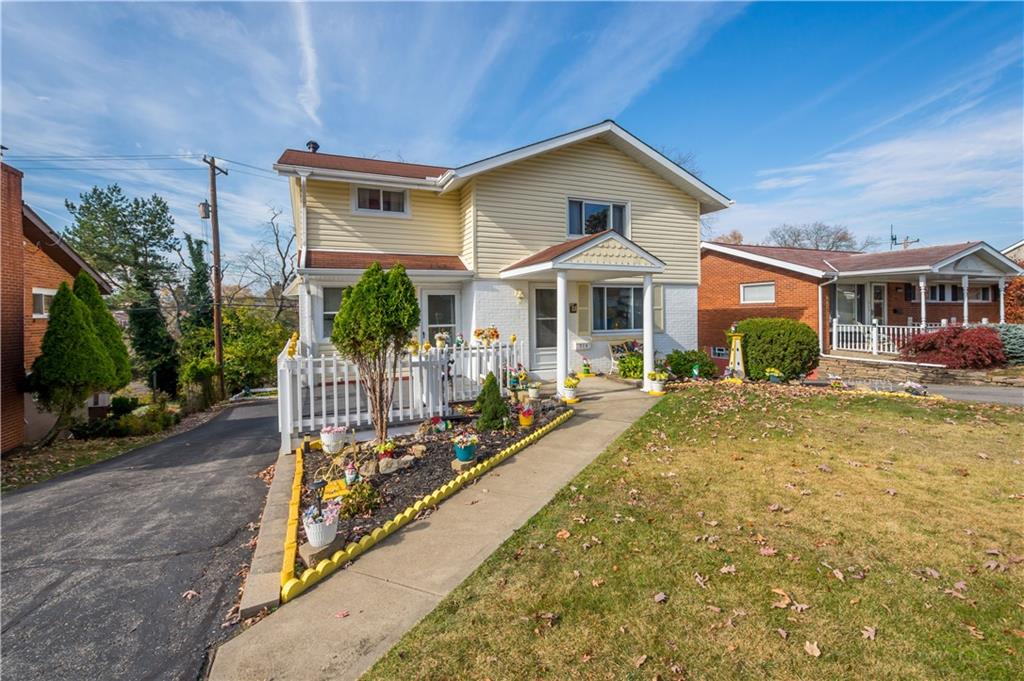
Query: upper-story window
<point>591,217</point>
<point>41,299</point>
<point>378,201</point>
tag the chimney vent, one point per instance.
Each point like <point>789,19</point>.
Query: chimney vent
<point>312,146</point>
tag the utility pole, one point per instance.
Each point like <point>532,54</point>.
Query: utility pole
<point>218,345</point>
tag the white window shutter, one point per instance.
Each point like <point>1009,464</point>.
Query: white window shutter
<point>583,310</point>
<point>659,308</point>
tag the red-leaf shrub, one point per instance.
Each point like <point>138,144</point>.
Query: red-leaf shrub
<point>957,347</point>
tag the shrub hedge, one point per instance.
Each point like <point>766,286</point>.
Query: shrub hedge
<point>776,342</point>
<point>680,363</point>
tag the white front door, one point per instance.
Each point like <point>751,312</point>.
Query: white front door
<point>543,328</point>
<point>439,310</point>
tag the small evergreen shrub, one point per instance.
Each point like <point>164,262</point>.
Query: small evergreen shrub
<point>681,363</point>
<point>780,343</point>
<point>153,419</point>
<point>1012,336</point>
<point>362,498</point>
<point>493,408</point>
<point>631,365</point>
<point>123,404</point>
<point>956,347</point>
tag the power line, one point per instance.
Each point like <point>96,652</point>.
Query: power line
<point>77,168</point>
<point>103,157</point>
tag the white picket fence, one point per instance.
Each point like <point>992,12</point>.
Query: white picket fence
<point>324,390</point>
<point>877,339</point>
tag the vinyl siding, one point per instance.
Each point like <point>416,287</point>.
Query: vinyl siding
<point>466,207</point>
<point>521,208</point>
<point>434,227</point>
<point>294,189</point>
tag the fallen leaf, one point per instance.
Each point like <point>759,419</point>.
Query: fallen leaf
<point>767,551</point>
<point>341,614</point>
<point>786,600</point>
<point>639,662</point>
<point>727,569</point>
<point>811,648</point>
<point>563,534</point>
<point>855,600</point>
<point>190,594</point>
<point>783,633</point>
<point>868,633</point>
<point>890,491</point>
<point>596,582</point>
<point>775,508</point>
<point>931,572</point>
<point>824,468</point>
<point>975,632</point>
<point>660,597</point>
<point>701,580</point>
<point>839,575</point>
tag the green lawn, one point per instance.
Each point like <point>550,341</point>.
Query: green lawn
<point>885,534</point>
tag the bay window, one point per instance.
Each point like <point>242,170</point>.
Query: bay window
<point>591,217</point>
<point>618,308</point>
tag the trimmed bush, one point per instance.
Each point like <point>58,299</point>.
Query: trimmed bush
<point>123,404</point>
<point>493,408</point>
<point>956,347</point>
<point>631,365</point>
<point>780,343</point>
<point>1012,336</point>
<point>680,363</point>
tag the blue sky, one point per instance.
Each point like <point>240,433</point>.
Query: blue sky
<point>860,114</point>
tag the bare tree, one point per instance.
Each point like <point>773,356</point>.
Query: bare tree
<point>269,264</point>
<point>731,237</point>
<point>819,236</point>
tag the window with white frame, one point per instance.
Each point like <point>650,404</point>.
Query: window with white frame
<point>618,308</point>
<point>379,201</point>
<point>591,217</point>
<point>980,294</point>
<point>720,352</point>
<point>41,299</point>
<point>757,293</point>
<point>332,303</point>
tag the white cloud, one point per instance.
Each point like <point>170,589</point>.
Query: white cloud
<point>309,91</point>
<point>784,182</point>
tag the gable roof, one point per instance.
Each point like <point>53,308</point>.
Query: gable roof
<point>36,231</point>
<point>552,252</point>
<point>441,179</point>
<point>563,256</point>
<point>1013,247</point>
<point>821,263</point>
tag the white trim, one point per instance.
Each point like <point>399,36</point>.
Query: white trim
<point>439,290</point>
<point>405,213</point>
<point>974,249</point>
<point>392,181</point>
<point>743,288</point>
<point>1012,247</point>
<point>558,262</point>
<point>42,292</point>
<point>774,262</point>
<point>46,291</point>
<point>604,311</point>
<point>626,209</point>
<point>683,179</point>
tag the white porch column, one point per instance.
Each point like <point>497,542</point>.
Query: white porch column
<point>922,286</point>
<point>648,330</point>
<point>562,330</point>
<point>963,285</point>
<point>1002,296</point>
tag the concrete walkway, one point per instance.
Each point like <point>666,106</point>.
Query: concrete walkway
<point>401,580</point>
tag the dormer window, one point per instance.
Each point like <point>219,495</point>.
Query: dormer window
<point>591,217</point>
<point>378,201</point>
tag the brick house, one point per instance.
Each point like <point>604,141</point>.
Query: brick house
<point>857,302</point>
<point>35,261</point>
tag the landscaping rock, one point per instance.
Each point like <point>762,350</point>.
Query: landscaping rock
<point>418,451</point>
<point>311,556</point>
<point>406,461</point>
<point>460,466</point>
<point>388,466</point>
<point>369,469</point>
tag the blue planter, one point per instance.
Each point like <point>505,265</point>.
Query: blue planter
<point>467,453</point>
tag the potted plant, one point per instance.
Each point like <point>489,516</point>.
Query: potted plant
<point>321,523</point>
<point>586,371</point>
<point>533,389</point>
<point>332,438</point>
<point>657,379</point>
<point>441,339</point>
<point>465,445</point>
<point>569,386</point>
<point>487,335</point>
<point>526,417</point>
<point>773,374</point>
<point>385,450</point>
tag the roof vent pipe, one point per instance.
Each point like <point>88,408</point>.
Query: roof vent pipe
<point>312,146</point>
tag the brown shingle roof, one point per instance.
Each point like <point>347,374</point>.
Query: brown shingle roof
<point>853,261</point>
<point>360,260</point>
<point>355,164</point>
<point>552,252</point>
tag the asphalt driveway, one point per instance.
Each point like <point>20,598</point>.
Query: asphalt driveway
<point>94,563</point>
<point>981,393</point>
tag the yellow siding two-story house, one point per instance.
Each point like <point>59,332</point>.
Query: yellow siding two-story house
<point>571,244</point>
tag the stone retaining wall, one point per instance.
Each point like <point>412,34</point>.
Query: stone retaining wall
<point>855,369</point>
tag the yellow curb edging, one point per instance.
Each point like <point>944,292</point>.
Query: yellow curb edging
<point>293,585</point>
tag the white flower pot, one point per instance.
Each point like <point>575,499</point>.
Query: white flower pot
<point>332,443</point>
<point>320,534</point>
<point>658,386</point>
<point>534,393</point>
<point>569,393</point>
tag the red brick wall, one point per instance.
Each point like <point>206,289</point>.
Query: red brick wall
<point>12,408</point>
<point>718,297</point>
<point>41,271</point>
<point>900,309</point>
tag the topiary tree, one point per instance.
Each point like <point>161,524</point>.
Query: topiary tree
<point>493,409</point>
<point>680,363</point>
<point>107,331</point>
<point>778,343</point>
<point>372,328</point>
<point>73,363</point>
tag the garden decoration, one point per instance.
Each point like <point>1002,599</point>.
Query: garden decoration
<point>321,523</point>
<point>526,417</point>
<point>487,335</point>
<point>338,441</point>
<point>735,368</point>
<point>441,339</point>
<point>512,339</point>
<point>657,379</point>
<point>465,446</point>
<point>385,450</point>
<point>351,474</point>
<point>586,371</point>
<point>533,390</point>
<point>569,389</point>
<point>414,346</point>
<point>460,340</point>
<point>439,425</point>
<point>773,374</point>
<point>426,346</point>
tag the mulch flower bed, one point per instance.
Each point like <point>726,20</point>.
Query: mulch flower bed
<point>433,468</point>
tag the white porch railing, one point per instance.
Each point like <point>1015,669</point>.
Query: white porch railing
<point>325,390</point>
<point>877,339</point>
